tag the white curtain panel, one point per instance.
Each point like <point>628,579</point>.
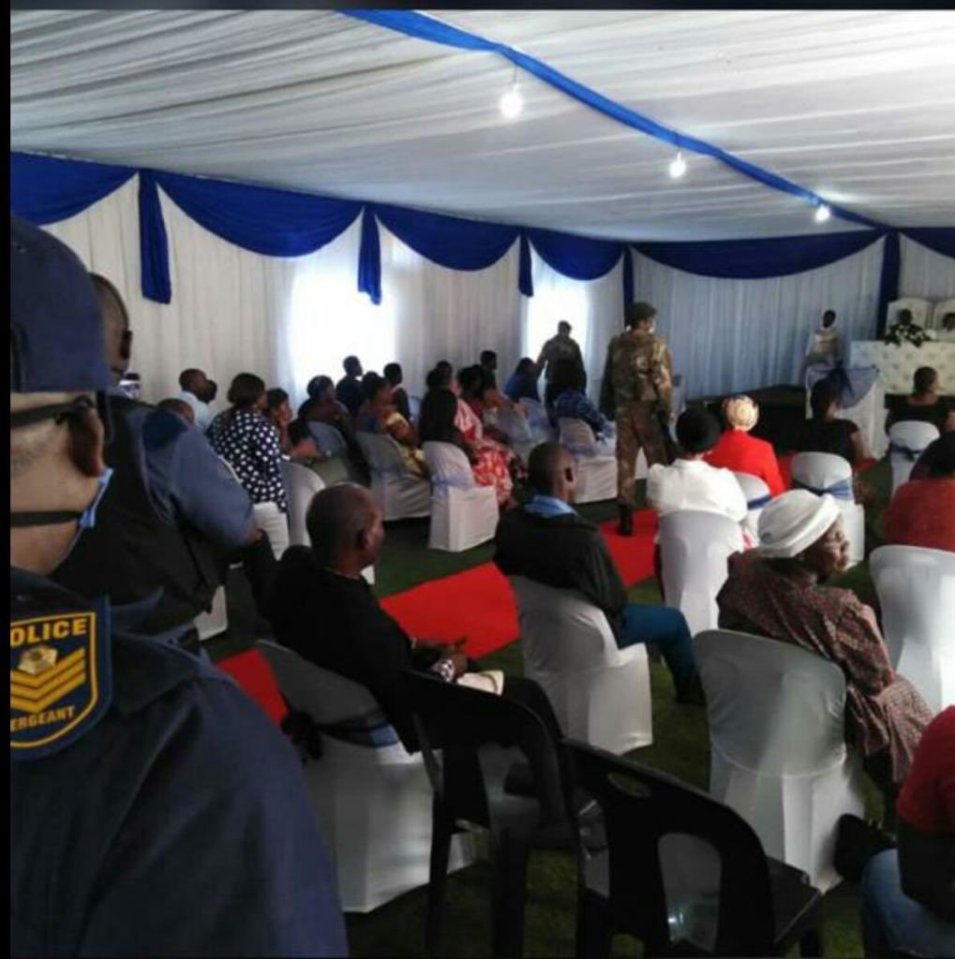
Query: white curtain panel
<point>925,273</point>
<point>736,335</point>
<point>435,313</point>
<point>594,308</point>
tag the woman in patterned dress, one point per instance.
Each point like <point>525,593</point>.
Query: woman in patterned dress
<point>249,442</point>
<point>378,414</point>
<point>778,591</point>
<point>445,418</point>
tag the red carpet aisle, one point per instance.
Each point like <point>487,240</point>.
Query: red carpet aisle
<point>252,673</point>
<point>478,603</point>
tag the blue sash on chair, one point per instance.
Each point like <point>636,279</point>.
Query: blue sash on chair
<point>842,489</point>
<point>906,451</point>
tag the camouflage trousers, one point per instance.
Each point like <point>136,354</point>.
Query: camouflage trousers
<point>637,428</point>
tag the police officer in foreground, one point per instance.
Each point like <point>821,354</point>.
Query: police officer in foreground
<point>155,810</point>
<point>637,392</point>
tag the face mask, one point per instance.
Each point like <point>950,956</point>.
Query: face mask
<point>85,520</point>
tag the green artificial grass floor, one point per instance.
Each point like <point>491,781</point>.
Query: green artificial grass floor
<point>681,748</point>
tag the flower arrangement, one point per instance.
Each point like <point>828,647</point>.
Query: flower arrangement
<point>903,330</point>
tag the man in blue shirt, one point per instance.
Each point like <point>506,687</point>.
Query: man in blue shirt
<point>155,810</point>
<point>548,541</point>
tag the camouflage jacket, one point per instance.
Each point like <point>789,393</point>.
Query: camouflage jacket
<point>638,370</point>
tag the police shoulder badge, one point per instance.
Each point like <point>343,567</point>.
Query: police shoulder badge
<point>60,680</point>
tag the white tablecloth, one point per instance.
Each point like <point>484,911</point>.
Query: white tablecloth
<point>897,363</point>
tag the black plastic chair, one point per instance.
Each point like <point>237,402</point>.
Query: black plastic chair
<point>743,903</point>
<point>475,780</point>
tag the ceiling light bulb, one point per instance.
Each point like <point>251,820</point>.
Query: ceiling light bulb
<point>678,167</point>
<point>822,213</point>
<point>512,103</point>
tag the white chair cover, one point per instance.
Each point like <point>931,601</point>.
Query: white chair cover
<point>400,492</point>
<point>372,797</point>
<point>271,519</point>
<point>596,462</point>
<point>916,590</point>
<point>694,549</point>
<point>777,745</point>
<point>827,473</point>
<point>463,514</point>
<point>538,419</point>
<point>600,694</point>
<point>301,484</point>
<point>757,497</point>
<point>216,621</point>
<point>907,442</point>
<point>921,310</point>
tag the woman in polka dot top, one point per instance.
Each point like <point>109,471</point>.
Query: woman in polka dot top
<point>243,436</point>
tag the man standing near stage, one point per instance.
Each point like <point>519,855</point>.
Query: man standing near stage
<point>637,391</point>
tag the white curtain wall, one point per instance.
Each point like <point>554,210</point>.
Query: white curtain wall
<point>924,273</point>
<point>737,335</point>
<point>290,319</point>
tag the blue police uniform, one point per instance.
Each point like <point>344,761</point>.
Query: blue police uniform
<point>155,809</point>
<point>176,823</point>
<point>172,517</point>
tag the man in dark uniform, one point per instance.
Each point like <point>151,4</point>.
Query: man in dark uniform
<point>557,348</point>
<point>637,390</point>
<point>173,516</point>
<point>155,810</point>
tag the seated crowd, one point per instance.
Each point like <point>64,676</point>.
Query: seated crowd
<point>177,498</point>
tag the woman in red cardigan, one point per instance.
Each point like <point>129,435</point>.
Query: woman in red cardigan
<point>738,451</point>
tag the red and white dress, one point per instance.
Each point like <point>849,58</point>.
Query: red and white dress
<point>491,468</point>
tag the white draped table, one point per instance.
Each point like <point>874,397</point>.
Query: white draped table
<point>897,363</point>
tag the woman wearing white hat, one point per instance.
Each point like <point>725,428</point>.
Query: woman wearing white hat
<point>777,591</point>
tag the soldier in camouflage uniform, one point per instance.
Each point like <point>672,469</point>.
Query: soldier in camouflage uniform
<point>557,348</point>
<point>637,389</point>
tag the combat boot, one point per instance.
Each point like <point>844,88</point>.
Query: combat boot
<point>625,527</point>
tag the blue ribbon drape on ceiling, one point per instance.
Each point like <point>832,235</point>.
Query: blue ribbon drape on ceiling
<point>424,27</point>
<point>47,189</point>
<point>758,259</point>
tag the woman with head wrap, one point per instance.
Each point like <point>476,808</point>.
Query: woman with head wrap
<point>778,591</point>
<point>738,451</point>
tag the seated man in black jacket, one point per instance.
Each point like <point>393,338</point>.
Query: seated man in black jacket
<point>322,607</point>
<point>549,542</point>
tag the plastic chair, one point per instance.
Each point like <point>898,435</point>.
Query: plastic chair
<point>682,872</point>
<point>942,309</point>
<point>916,590</point>
<point>463,514</point>
<point>400,492</point>
<point>600,694</point>
<point>370,794</point>
<point>920,309</point>
<point>480,735</point>
<point>596,466</point>
<point>907,442</point>
<point>777,745</point>
<point>757,497</point>
<point>827,473</point>
<point>694,549</point>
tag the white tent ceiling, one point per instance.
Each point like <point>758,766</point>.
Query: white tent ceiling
<point>857,106</point>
